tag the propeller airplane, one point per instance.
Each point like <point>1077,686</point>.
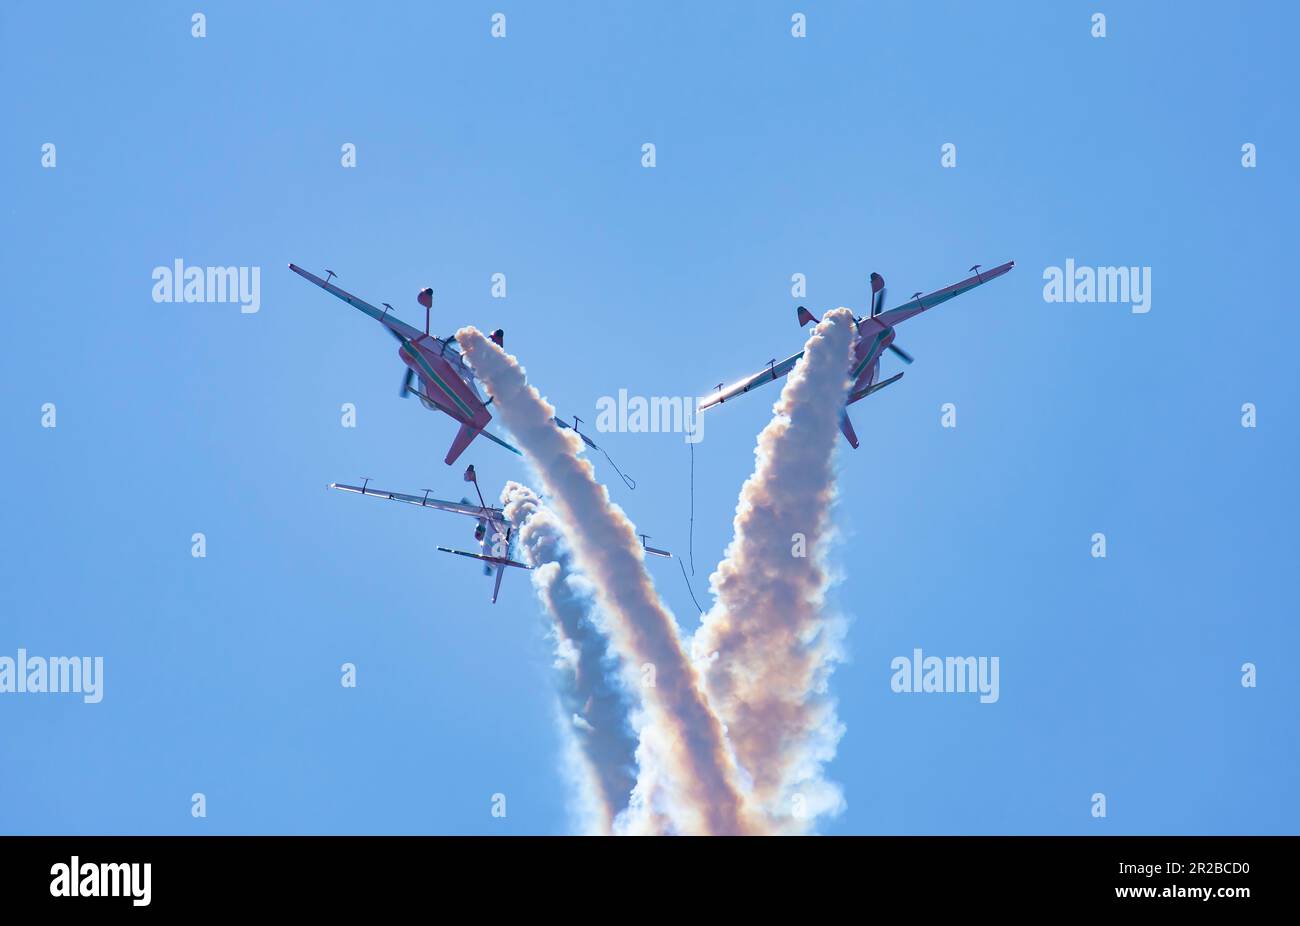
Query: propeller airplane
<point>446,383</point>
<point>875,334</point>
<point>494,532</point>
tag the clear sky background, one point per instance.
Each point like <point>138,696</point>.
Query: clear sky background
<point>522,156</point>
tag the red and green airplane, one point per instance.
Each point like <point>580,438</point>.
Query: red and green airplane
<point>873,334</point>
<point>446,382</point>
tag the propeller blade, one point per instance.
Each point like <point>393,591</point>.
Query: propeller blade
<point>406,383</point>
<point>877,294</point>
<point>902,354</point>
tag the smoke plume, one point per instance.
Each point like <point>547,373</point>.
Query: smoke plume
<point>694,776</point>
<point>595,706</point>
<point>766,648</point>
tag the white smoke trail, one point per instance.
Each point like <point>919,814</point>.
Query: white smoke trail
<point>694,781</point>
<point>596,708</point>
<point>766,647</point>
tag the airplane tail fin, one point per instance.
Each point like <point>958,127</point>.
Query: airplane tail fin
<point>464,436</point>
<point>847,427</point>
<point>805,317</point>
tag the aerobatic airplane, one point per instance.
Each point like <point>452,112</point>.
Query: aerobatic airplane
<point>446,381</point>
<point>494,533</point>
<point>875,333</point>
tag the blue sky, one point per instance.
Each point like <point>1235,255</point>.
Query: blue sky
<point>522,155</point>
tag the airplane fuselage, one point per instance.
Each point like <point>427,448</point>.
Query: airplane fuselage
<point>872,340</point>
<point>444,381</point>
<point>874,334</point>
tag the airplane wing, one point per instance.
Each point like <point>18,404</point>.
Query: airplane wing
<point>387,319</point>
<point>474,511</point>
<point>766,375</point>
<point>917,306</point>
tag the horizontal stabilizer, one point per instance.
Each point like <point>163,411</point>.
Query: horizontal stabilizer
<point>498,560</point>
<point>876,387</point>
<point>496,440</point>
